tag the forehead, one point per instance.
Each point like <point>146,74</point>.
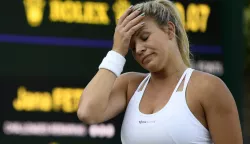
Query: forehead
<point>149,22</point>
<point>150,26</point>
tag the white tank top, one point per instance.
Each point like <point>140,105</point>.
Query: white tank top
<point>173,124</point>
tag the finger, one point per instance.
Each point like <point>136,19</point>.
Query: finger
<point>135,28</point>
<point>134,22</point>
<point>125,14</point>
<point>130,17</point>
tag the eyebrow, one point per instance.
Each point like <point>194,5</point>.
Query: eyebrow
<point>137,33</point>
<point>140,30</point>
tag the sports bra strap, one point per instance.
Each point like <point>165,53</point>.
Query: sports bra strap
<point>181,79</point>
<point>145,82</point>
<point>187,78</point>
<point>184,75</point>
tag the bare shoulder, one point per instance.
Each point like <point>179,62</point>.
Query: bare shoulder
<point>219,106</point>
<point>206,82</point>
<point>212,90</point>
<point>133,80</point>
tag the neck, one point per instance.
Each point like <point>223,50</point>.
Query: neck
<point>171,72</point>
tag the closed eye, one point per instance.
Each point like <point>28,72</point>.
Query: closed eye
<point>144,37</point>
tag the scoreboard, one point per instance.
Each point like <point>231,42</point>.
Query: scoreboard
<point>50,50</point>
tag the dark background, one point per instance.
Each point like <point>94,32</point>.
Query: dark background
<point>59,54</point>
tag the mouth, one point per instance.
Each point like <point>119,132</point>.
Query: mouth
<point>145,58</point>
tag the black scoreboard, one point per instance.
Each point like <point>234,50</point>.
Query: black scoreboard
<point>50,50</point>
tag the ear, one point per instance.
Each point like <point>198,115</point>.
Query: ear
<point>171,30</point>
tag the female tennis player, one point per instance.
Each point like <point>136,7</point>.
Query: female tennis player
<point>173,103</point>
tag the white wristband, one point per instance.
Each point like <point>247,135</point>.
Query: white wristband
<point>113,62</point>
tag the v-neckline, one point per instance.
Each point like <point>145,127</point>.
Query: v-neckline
<point>165,106</point>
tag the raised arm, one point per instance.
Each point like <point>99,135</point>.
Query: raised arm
<point>105,95</point>
<point>103,98</point>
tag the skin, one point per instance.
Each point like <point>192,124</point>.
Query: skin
<point>155,49</point>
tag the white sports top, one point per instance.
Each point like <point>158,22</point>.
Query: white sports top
<point>173,124</point>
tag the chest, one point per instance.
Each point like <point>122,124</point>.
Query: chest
<point>168,125</point>
<point>153,101</point>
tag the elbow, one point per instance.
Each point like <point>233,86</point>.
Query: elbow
<point>87,117</point>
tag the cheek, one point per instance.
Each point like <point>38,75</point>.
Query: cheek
<point>161,55</point>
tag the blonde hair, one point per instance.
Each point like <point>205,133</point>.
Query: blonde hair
<point>164,11</point>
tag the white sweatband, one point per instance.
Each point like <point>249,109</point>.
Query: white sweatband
<point>113,62</point>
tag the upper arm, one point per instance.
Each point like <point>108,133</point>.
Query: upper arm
<point>118,96</point>
<point>221,113</point>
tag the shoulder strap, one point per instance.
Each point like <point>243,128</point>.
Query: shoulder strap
<point>145,82</point>
<point>187,78</point>
<point>181,79</point>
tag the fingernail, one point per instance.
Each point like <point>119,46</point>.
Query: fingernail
<point>143,14</point>
<point>130,6</point>
<point>142,23</point>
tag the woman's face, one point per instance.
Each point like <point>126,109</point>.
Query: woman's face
<point>151,46</point>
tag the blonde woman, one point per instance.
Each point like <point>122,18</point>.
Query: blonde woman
<point>172,104</point>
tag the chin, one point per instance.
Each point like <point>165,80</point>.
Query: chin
<point>151,66</point>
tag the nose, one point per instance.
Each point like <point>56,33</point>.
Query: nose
<point>140,49</point>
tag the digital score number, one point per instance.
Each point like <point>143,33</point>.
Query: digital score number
<point>194,17</point>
